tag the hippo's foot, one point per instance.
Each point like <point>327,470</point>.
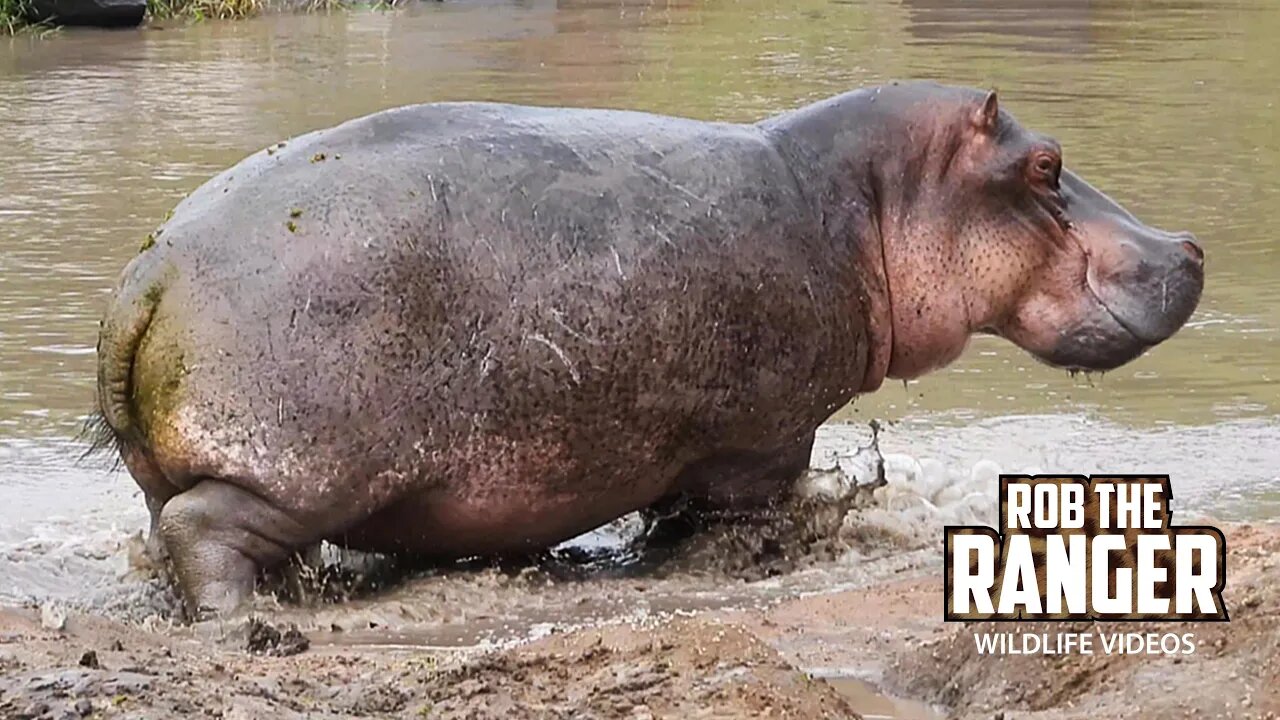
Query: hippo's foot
<point>736,484</point>
<point>218,536</point>
<point>735,487</point>
<point>156,553</point>
<point>669,522</point>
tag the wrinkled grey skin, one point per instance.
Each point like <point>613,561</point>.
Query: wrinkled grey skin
<point>462,329</point>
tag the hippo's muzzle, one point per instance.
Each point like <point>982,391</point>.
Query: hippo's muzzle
<point>1156,286</point>
<point>1145,282</point>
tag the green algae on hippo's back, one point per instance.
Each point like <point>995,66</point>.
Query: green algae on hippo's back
<point>150,240</point>
<point>509,325</point>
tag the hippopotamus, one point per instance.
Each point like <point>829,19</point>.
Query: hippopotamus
<point>476,329</point>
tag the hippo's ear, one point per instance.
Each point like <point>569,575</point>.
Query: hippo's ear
<point>985,117</point>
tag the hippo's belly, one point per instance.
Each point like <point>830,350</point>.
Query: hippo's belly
<point>515,517</point>
<point>497,496</point>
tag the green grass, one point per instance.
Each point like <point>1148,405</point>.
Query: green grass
<point>316,6</point>
<point>323,6</point>
<point>161,9</point>
<point>236,9</point>
<point>13,20</point>
<point>202,9</point>
<point>11,17</point>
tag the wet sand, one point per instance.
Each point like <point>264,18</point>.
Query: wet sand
<point>876,652</point>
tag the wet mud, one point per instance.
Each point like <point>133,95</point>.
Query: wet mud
<point>875,652</point>
<point>829,607</point>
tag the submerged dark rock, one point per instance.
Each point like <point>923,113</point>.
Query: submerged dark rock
<point>94,13</point>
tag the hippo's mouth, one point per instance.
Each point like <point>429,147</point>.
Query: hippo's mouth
<point>1115,317</point>
<point>1160,306</point>
<point>1092,335</point>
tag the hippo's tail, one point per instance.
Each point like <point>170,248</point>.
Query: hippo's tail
<point>113,426</point>
<point>101,439</point>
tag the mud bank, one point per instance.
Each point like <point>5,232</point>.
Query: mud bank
<point>877,652</point>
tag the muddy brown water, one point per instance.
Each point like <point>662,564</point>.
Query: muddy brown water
<point>1170,106</point>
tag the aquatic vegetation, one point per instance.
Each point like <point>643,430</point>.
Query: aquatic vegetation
<point>226,9</point>
<point>15,20</point>
<point>327,5</point>
<point>11,19</point>
<point>204,9</point>
<point>336,5</point>
<point>164,9</point>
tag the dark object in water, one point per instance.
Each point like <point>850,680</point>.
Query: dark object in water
<point>94,13</point>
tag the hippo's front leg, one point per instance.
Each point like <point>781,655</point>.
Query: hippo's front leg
<point>218,536</point>
<point>728,485</point>
<point>745,480</point>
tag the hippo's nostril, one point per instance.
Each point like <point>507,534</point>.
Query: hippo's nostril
<point>1194,250</point>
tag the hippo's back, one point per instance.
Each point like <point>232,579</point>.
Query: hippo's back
<point>518,178</point>
<point>499,203</point>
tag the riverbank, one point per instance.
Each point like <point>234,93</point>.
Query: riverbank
<point>198,10</point>
<point>15,18</point>
<point>828,655</point>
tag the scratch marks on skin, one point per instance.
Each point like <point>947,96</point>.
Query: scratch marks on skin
<point>663,236</point>
<point>557,315</point>
<point>486,363</point>
<point>673,184</point>
<point>817,308</point>
<point>617,262</point>
<point>441,199</point>
<point>560,353</point>
<point>497,262</point>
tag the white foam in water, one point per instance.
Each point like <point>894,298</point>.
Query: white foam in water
<point>923,495</point>
<point>911,498</point>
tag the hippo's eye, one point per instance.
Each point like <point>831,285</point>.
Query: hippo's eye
<point>1045,167</point>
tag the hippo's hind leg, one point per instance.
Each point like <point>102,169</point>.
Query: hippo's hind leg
<point>213,536</point>
<point>732,486</point>
<point>218,536</point>
<point>157,490</point>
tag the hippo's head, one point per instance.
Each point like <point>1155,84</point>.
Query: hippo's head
<point>983,230</point>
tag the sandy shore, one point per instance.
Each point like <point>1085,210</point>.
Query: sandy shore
<point>881,652</point>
